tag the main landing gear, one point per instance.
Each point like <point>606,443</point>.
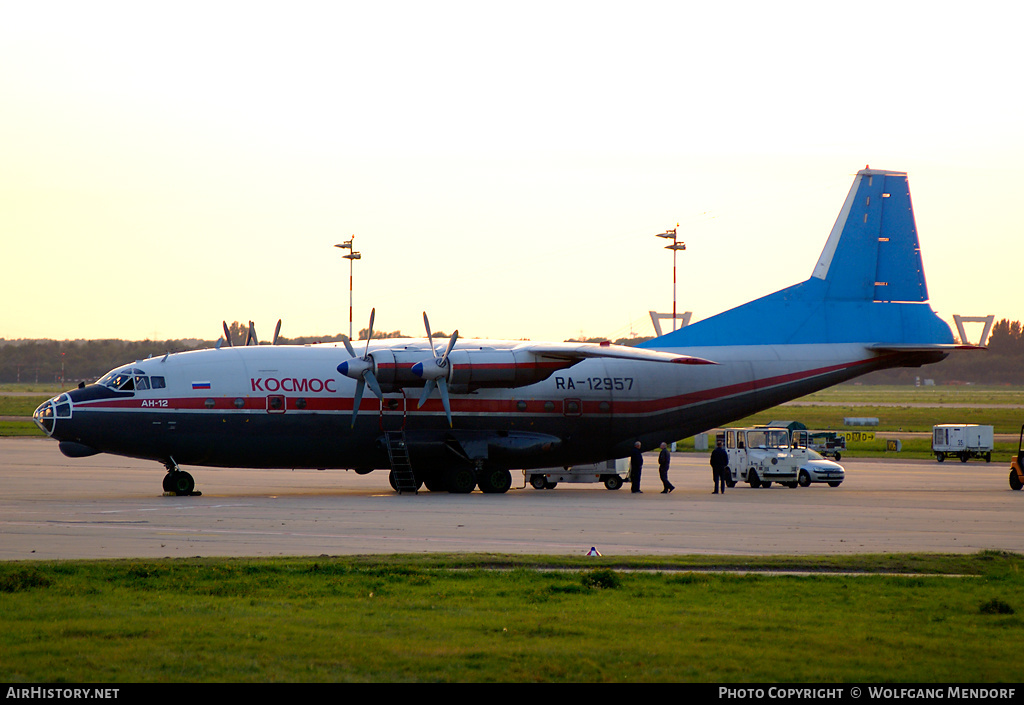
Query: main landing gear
<point>463,479</point>
<point>179,482</point>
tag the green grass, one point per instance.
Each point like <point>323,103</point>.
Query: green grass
<point>47,389</point>
<point>946,394</point>
<point>473,618</point>
<point>20,428</point>
<point>20,406</point>
<point>890,418</point>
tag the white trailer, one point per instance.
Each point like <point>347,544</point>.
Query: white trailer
<point>613,473</point>
<point>962,440</point>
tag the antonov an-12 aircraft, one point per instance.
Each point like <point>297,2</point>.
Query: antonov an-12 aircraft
<point>462,414</point>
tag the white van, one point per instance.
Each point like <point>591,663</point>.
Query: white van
<point>761,456</point>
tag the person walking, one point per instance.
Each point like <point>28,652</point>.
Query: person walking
<point>663,461</point>
<point>636,463</point>
<point>719,461</point>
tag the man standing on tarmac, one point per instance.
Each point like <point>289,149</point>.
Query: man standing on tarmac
<point>719,461</point>
<point>636,462</point>
<point>663,461</point>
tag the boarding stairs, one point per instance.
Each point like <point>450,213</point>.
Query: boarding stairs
<point>401,468</point>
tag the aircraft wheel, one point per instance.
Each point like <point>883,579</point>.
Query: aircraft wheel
<point>460,481</point>
<point>495,480</point>
<point>538,482</point>
<point>1015,482</point>
<point>180,483</point>
<point>805,479</point>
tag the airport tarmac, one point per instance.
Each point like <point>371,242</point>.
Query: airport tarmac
<point>53,507</point>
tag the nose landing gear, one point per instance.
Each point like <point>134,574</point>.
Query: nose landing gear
<point>178,482</point>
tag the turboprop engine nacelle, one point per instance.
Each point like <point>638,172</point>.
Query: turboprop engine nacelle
<point>467,369</point>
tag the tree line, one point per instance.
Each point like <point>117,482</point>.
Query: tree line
<point>71,361</point>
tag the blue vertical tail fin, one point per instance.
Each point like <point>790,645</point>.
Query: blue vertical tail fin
<point>872,253</point>
<point>868,285</point>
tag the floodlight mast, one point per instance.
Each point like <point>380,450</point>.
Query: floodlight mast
<point>351,257</point>
<point>675,247</point>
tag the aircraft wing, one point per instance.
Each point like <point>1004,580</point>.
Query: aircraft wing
<point>575,352</point>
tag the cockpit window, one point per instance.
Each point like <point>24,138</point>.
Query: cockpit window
<point>131,380</point>
<point>122,381</point>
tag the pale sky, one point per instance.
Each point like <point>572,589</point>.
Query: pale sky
<point>503,166</point>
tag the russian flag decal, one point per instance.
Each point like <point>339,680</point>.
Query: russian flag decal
<point>200,385</point>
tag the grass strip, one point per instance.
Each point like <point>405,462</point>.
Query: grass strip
<point>493,618</point>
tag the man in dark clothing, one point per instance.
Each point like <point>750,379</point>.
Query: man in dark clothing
<point>663,461</point>
<point>719,461</point>
<point>636,462</point>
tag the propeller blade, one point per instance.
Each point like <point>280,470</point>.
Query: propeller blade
<point>277,331</point>
<point>250,339</point>
<point>427,389</point>
<point>227,334</point>
<point>369,335</point>
<point>442,387</point>
<point>372,381</point>
<point>430,340</point>
<point>355,401</point>
<point>451,344</point>
<point>348,345</point>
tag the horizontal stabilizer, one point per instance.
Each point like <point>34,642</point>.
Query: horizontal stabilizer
<point>938,347</point>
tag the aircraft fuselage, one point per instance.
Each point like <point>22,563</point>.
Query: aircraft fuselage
<point>284,406</point>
